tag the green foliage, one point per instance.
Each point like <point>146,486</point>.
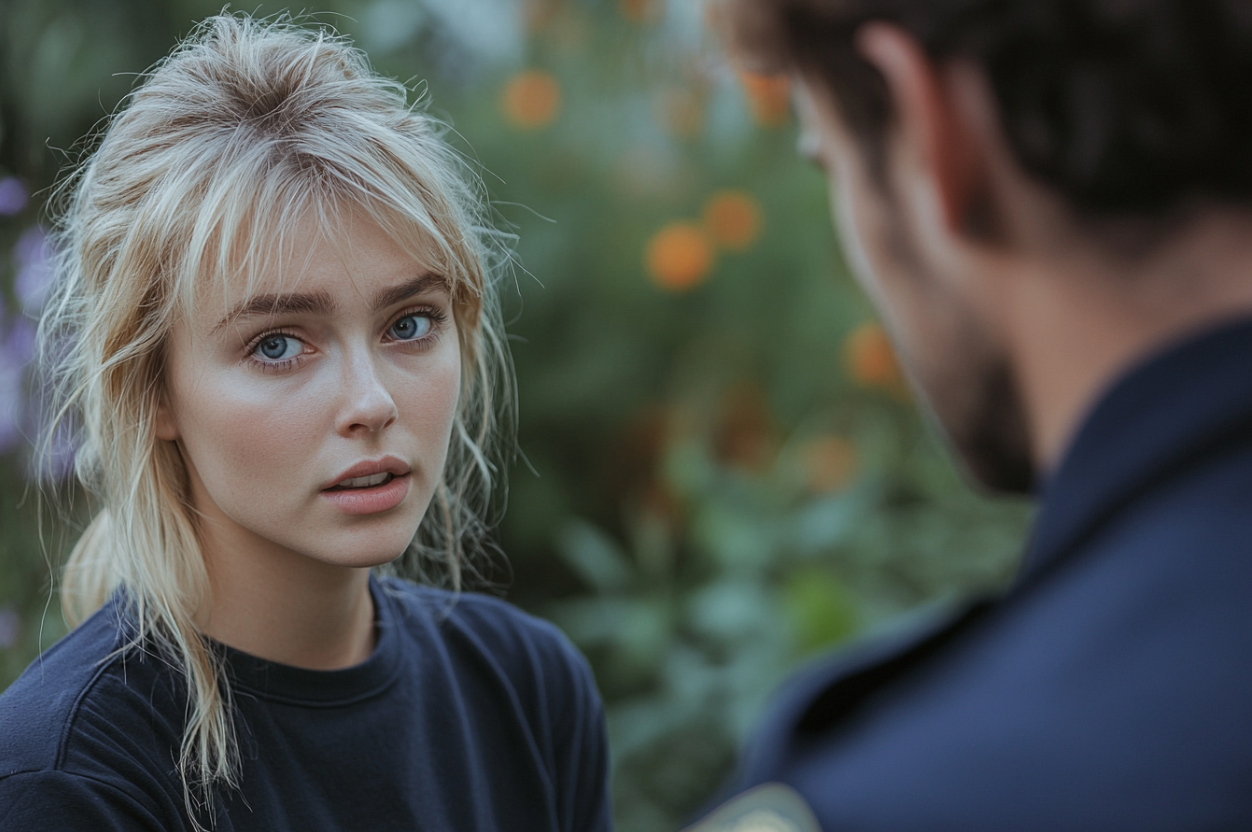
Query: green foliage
<point>697,610</point>
<point>708,495</point>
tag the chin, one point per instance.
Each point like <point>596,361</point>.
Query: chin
<point>955,363</point>
<point>989,469</point>
<point>990,436</point>
<point>363,548</point>
<point>979,413</point>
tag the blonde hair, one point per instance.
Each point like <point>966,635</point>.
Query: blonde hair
<point>248,126</point>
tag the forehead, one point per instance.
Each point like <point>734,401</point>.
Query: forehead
<point>346,258</point>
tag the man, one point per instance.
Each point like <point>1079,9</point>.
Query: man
<point>1050,202</point>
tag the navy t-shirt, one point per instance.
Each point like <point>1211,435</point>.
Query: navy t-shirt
<point>469,715</point>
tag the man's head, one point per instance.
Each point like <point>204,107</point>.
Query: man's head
<point>973,145</point>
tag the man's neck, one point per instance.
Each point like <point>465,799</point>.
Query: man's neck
<point>1074,324</point>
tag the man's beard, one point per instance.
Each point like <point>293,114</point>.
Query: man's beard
<point>960,371</point>
<point>973,398</point>
<point>992,439</point>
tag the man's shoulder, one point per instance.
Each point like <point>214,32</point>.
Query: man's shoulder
<point>1121,666</point>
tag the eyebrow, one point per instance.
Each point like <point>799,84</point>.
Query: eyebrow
<point>322,303</point>
<point>410,288</point>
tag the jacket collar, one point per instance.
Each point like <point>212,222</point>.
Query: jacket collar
<point>1164,414</point>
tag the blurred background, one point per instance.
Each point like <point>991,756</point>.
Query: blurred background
<point>723,472</point>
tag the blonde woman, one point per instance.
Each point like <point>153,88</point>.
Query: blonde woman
<point>277,338</point>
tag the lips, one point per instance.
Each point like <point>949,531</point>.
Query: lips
<point>373,487</point>
<point>363,482</point>
<point>368,474</point>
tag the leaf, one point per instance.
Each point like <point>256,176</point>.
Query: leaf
<point>594,556</point>
<point>823,612</point>
<point>731,610</point>
<point>827,521</point>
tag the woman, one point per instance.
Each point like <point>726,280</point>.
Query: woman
<point>276,331</point>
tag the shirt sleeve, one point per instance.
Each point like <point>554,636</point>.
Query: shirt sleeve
<point>57,801</point>
<point>583,753</point>
<point>553,687</point>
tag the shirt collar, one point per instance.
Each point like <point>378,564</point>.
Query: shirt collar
<point>300,686</point>
<point>1160,415</point>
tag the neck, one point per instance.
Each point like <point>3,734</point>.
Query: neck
<point>284,607</point>
<point>1075,324</point>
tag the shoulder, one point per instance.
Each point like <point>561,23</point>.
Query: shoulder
<point>58,801</point>
<point>534,672</point>
<point>493,642</point>
<point>493,630</point>
<point>91,712</point>
<point>38,710</point>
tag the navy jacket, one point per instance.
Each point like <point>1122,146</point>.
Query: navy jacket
<point>1111,687</point>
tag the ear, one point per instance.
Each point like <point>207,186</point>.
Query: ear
<point>933,123</point>
<point>166,424</point>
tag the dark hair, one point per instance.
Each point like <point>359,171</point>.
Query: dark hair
<point>1125,107</point>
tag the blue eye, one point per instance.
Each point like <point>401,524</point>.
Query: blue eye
<point>410,327</point>
<point>277,347</point>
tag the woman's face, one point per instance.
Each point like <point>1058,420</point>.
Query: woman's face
<point>314,414</point>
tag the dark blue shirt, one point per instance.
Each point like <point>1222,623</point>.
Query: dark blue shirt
<point>469,715</point>
<point>1111,687</point>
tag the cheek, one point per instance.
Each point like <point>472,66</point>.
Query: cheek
<point>849,224</point>
<point>860,220</point>
<point>244,438</point>
<point>880,251</point>
<point>427,405</point>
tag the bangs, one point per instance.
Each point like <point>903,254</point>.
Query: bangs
<point>254,216</point>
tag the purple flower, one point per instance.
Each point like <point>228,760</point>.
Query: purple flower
<point>10,627</point>
<point>19,413</point>
<point>12,399</point>
<point>19,343</point>
<point>33,256</point>
<point>13,409</point>
<point>62,453</point>
<point>12,196</point>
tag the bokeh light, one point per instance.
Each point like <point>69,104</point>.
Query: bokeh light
<point>870,358</point>
<point>531,100</point>
<point>732,219</point>
<point>679,256</point>
<point>769,98</point>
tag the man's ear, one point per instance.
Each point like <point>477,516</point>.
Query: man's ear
<point>166,424</point>
<point>931,121</point>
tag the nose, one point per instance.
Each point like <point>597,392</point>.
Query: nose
<point>368,407</point>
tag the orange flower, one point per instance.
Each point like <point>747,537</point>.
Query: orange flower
<point>732,219</point>
<point>830,463</point>
<point>539,14</point>
<point>871,360</point>
<point>639,11</point>
<point>679,256</point>
<point>531,100</point>
<point>769,97</point>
